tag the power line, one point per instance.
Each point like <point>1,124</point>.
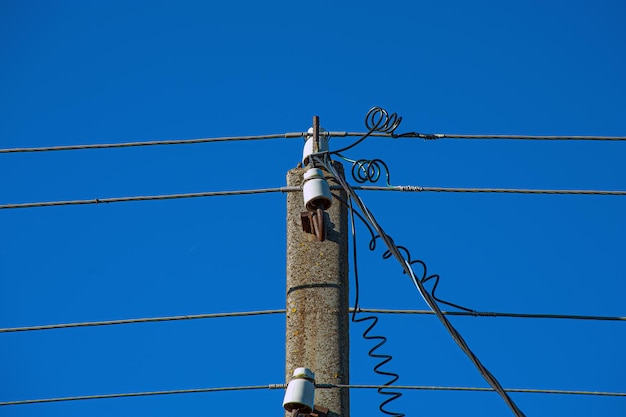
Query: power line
<point>436,136</point>
<point>479,389</point>
<point>140,394</point>
<point>394,250</point>
<point>151,143</point>
<point>288,135</point>
<point>400,188</point>
<point>417,188</point>
<point>292,135</point>
<point>319,386</point>
<point>148,198</point>
<point>282,311</point>
<point>139,320</point>
<point>497,314</point>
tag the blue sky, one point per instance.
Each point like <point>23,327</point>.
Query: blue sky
<point>81,72</point>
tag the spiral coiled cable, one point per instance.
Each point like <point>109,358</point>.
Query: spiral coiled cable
<point>397,253</point>
<point>367,333</point>
<point>376,120</point>
<point>369,170</point>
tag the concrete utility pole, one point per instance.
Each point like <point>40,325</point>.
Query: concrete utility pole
<point>317,298</point>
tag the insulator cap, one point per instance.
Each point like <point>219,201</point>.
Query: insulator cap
<point>316,190</point>
<point>308,146</point>
<point>300,391</point>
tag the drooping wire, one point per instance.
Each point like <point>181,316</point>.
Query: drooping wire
<point>367,333</point>
<point>374,319</point>
<point>424,277</point>
<point>149,198</point>
<point>472,313</point>
<point>435,136</point>
<point>430,301</point>
<point>387,254</point>
<point>139,320</point>
<point>317,386</point>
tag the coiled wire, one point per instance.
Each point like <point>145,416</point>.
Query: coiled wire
<point>399,254</point>
<point>424,276</point>
<point>369,170</point>
<point>373,321</point>
<point>379,120</point>
<point>368,334</point>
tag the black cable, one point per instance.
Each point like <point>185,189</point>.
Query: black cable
<point>369,170</point>
<point>139,320</point>
<point>479,389</point>
<point>317,386</point>
<point>401,188</point>
<point>472,313</point>
<point>282,311</point>
<point>384,358</point>
<point>378,120</point>
<point>430,301</point>
<point>289,135</point>
<point>149,198</point>
<point>418,188</point>
<point>140,394</point>
<point>436,136</point>
<point>153,143</point>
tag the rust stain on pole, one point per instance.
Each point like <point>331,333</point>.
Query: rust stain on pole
<point>317,298</point>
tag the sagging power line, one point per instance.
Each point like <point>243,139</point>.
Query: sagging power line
<point>318,386</point>
<point>295,135</point>
<point>288,189</point>
<point>477,314</point>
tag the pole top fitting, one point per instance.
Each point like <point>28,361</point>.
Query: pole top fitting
<point>311,142</point>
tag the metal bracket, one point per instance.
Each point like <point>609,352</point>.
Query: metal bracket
<point>313,222</point>
<point>319,411</point>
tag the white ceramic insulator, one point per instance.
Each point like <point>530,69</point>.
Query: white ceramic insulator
<point>316,190</point>
<point>300,391</point>
<point>308,146</point>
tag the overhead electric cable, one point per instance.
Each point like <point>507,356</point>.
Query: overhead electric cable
<point>151,143</point>
<point>497,314</point>
<point>140,394</point>
<point>319,386</point>
<point>480,389</point>
<point>282,311</point>
<point>139,320</point>
<point>435,136</point>
<point>288,135</point>
<point>417,188</point>
<point>292,135</point>
<point>289,189</point>
<point>428,298</point>
<point>149,198</point>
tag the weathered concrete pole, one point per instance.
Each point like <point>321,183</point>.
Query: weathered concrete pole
<point>317,298</point>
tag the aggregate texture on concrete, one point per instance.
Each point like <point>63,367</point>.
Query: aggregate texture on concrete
<point>317,297</point>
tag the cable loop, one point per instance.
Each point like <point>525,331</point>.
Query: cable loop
<point>369,170</point>
<point>379,120</point>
